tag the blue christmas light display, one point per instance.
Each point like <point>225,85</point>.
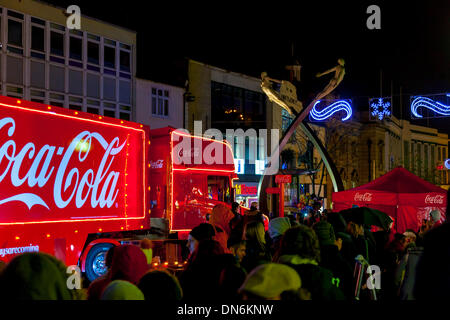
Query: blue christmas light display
<point>380,108</point>
<point>340,105</point>
<point>437,107</point>
<point>447,164</point>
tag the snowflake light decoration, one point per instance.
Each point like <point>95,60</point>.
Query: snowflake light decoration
<point>380,108</point>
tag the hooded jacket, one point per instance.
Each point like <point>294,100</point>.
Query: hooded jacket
<point>317,280</point>
<point>36,276</point>
<point>220,219</point>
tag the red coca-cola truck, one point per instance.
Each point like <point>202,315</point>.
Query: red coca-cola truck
<point>74,184</point>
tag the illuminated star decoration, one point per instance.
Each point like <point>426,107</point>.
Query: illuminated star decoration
<point>325,113</point>
<point>435,106</point>
<point>380,109</point>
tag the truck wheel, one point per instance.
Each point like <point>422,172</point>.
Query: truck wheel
<point>95,261</point>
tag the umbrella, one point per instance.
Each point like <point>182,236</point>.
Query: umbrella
<point>367,216</point>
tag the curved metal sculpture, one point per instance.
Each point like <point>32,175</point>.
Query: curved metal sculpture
<point>298,121</point>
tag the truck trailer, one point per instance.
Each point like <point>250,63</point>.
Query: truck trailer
<point>74,184</point>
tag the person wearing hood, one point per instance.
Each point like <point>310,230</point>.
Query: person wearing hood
<point>122,290</point>
<point>129,263</point>
<point>277,227</point>
<point>331,258</point>
<point>37,276</point>
<point>300,250</point>
<point>159,286</point>
<point>220,220</point>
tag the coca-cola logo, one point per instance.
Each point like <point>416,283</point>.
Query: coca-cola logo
<point>366,197</point>
<point>437,199</point>
<point>157,164</point>
<point>98,186</point>
<point>189,152</point>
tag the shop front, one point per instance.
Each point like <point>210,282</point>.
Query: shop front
<point>246,193</point>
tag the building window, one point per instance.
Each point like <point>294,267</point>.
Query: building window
<point>160,102</point>
<point>109,57</point>
<point>15,33</point>
<point>109,109</point>
<point>125,61</point>
<point>37,38</point>
<point>93,53</point>
<point>57,43</point>
<point>76,48</point>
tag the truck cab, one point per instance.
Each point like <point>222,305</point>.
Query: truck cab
<point>189,175</point>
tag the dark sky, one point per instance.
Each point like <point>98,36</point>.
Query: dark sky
<point>412,48</point>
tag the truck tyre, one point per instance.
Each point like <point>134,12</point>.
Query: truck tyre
<point>95,261</point>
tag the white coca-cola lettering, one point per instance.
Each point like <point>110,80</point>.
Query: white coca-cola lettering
<point>367,197</point>
<point>437,199</point>
<point>89,183</point>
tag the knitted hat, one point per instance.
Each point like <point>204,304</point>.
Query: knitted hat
<point>325,233</point>
<point>122,290</point>
<point>204,231</point>
<point>270,280</point>
<point>435,215</point>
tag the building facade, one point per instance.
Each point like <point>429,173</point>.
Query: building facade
<point>92,69</point>
<point>223,100</point>
<point>159,105</point>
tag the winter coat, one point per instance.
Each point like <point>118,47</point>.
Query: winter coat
<point>331,259</point>
<point>406,273</point>
<point>220,219</point>
<point>319,281</point>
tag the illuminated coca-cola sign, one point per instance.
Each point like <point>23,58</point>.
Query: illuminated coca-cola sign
<point>436,199</point>
<point>363,197</point>
<point>56,167</point>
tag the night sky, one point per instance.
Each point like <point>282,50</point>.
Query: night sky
<point>412,48</point>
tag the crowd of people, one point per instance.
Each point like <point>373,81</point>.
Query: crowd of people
<point>235,257</point>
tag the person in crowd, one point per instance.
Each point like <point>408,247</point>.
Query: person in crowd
<point>96,287</point>
<point>237,248</point>
<point>236,224</point>
<point>273,281</point>
<point>220,220</point>
<point>252,215</point>
<point>129,263</point>
<point>122,290</point>
<point>433,277</point>
<point>405,274</point>
<point>233,275</point>
<point>277,227</point>
<point>257,251</point>
<point>410,238</point>
<point>37,276</point>
<point>354,243</point>
<point>159,286</point>
<point>147,247</point>
<point>300,250</point>
<point>204,231</point>
<point>331,258</point>
<point>200,280</point>
<point>392,256</point>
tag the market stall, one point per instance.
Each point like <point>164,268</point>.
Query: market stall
<point>405,197</point>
